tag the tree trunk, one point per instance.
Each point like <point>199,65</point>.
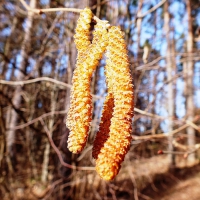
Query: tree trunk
<point>45,163</point>
<point>138,25</point>
<point>189,89</point>
<point>170,88</point>
<point>17,94</point>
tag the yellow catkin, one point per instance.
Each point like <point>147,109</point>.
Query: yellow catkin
<point>104,127</point>
<point>119,82</point>
<point>82,36</point>
<point>80,115</point>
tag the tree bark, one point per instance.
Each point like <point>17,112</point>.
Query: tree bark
<point>170,88</point>
<point>189,89</point>
<point>17,94</point>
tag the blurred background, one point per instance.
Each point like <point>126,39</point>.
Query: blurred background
<point>37,59</point>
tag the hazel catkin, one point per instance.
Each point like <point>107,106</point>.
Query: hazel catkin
<point>119,82</point>
<point>82,36</point>
<point>104,127</point>
<point>80,112</point>
<point>82,41</point>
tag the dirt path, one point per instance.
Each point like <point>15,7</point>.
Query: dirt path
<point>185,190</point>
<point>185,185</point>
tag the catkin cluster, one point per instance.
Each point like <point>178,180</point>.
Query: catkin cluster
<point>119,82</point>
<point>80,112</point>
<point>113,139</point>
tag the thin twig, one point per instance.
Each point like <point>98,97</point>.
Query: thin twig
<point>59,83</point>
<point>152,9</point>
<point>144,196</point>
<point>15,83</point>
<point>53,185</point>
<point>162,135</point>
<point>39,118</point>
<point>58,152</point>
<point>133,180</point>
<point>189,149</point>
<point>39,11</point>
<point>168,118</point>
<point>139,16</point>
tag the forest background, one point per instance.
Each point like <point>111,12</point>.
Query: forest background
<point>37,59</point>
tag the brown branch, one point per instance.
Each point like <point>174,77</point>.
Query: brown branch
<point>188,149</point>
<point>15,83</point>
<point>39,11</point>
<point>58,152</point>
<point>40,118</point>
<point>163,135</point>
<point>59,83</point>
<point>152,9</point>
<point>139,16</point>
<point>169,118</point>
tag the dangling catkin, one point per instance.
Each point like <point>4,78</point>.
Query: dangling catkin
<point>104,127</point>
<point>82,36</point>
<point>119,82</point>
<point>80,115</point>
<point>82,40</point>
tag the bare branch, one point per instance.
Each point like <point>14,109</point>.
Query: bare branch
<point>152,9</point>
<point>58,152</point>
<point>163,135</point>
<point>60,83</point>
<point>39,11</point>
<point>15,83</point>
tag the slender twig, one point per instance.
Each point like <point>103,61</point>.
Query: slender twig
<point>168,118</point>
<point>144,196</point>
<point>148,66</point>
<point>163,135</point>
<point>39,11</point>
<point>53,185</point>
<point>152,9</point>
<point>188,149</point>
<point>135,190</point>
<point>59,83</point>
<point>15,83</point>
<point>39,118</point>
<point>58,152</point>
<point>139,16</point>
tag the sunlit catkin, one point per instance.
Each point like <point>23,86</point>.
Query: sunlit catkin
<point>119,82</point>
<point>82,36</point>
<point>104,127</point>
<point>80,115</point>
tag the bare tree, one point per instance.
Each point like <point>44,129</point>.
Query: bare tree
<point>170,71</point>
<point>20,76</point>
<point>189,77</point>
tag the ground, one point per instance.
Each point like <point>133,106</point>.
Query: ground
<point>180,184</point>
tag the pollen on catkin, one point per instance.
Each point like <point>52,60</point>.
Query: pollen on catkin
<point>119,82</point>
<point>82,39</point>
<point>80,112</point>
<point>104,127</point>
<point>82,36</point>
